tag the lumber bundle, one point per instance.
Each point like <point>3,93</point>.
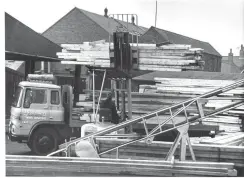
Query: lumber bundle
<point>140,103</point>
<point>229,121</point>
<point>88,53</point>
<point>56,166</point>
<point>172,57</point>
<point>158,151</point>
<point>235,139</point>
<point>225,122</point>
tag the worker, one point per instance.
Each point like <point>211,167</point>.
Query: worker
<point>109,104</point>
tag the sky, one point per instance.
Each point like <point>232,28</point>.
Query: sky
<point>219,22</point>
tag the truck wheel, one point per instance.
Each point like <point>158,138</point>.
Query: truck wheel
<point>44,141</point>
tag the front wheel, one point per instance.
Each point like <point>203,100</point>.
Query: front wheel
<point>44,141</point>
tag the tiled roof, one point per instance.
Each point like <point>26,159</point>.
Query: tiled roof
<point>110,24</point>
<point>189,75</point>
<point>79,26</point>
<point>164,35</point>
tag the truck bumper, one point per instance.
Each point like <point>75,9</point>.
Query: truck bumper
<point>17,138</point>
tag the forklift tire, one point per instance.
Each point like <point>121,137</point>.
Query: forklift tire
<point>44,141</point>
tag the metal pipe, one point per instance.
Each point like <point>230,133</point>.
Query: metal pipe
<point>93,77</point>
<point>104,75</point>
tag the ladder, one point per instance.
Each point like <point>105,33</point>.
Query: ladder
<point>181,126</point>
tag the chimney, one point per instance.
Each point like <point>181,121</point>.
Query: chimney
<point>241,52</point>
<point>230,56</point>
<point>106,12</point>
<point>133,20</point>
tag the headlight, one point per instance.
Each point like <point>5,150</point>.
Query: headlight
<point>13,129</point>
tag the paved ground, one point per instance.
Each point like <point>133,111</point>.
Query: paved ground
<point>14,148</point>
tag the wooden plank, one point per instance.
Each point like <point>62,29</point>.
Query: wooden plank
<point>223,140</point>
<point>158,68</point>
<point>137,167</point>
<point>192,82</point>
<point>194,90</point>
<point>86,63</point>
<point>156,56</point>
<point>189,67</point>
<point>153,61</point>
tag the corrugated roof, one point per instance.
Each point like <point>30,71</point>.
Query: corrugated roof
<point>179,39</point>
<point>189,75</point>
<point>15,65</point>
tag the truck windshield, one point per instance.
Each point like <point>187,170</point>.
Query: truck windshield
<point>17,97</point>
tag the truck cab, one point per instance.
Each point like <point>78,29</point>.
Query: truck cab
<point>42,116</point>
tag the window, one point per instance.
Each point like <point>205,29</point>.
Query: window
<point>55,97</point>
<point>35,96</point>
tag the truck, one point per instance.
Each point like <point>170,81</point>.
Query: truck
<point>43,116</point>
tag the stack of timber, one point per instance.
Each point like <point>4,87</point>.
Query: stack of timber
<point>158,151</point>
<point>140,103</point>
<point>56,166</point>
<point>173,57</point>
<point>235,139</point>
<point>88,53</point>
<point>230,121</point>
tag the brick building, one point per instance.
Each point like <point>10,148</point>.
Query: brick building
<point>233,64</point>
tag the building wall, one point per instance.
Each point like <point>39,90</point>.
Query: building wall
<point>151,37</point>
<point>212,62</point>
<point>75,28</point>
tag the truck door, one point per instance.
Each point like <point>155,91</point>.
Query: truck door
<point>56,108</point>
<point>35,106</point>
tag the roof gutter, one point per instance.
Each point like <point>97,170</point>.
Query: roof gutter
<point>36,57</point>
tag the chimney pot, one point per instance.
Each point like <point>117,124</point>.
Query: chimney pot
<point>106,12</point>
<point>230,57</point>
<point>241,52</point>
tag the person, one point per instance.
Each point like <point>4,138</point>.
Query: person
<point>109,104</point>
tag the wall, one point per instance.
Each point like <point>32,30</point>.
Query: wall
<point>212,62</point>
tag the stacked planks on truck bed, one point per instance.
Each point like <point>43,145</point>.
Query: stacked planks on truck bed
<point>88,53</point>
<point>228,121</point>
<point>172,57</point>
<point>56,166</point>
<point>158,151</point>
